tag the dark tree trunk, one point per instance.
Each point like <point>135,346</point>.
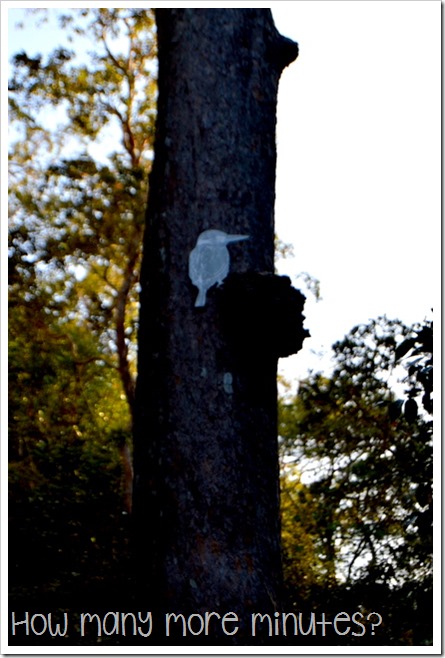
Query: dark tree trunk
<point>206,496</point>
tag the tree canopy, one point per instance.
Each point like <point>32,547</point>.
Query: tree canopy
<point>356,451</point>
<point>357,471</point>
<point>76,211</point>
<point>82,128</point>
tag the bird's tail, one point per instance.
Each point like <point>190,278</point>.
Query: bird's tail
<point>201,298</point>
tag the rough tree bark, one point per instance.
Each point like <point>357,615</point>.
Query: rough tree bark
<point>206,496</point>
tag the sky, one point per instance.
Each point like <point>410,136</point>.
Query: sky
<point>359,162</point>
<point>358,191</point>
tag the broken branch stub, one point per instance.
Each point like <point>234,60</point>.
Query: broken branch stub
<point>262,314</point>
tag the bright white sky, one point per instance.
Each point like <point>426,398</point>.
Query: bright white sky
<point>359,158</point>
<point>359,161</point>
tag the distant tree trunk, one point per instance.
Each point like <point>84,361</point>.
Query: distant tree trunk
<point>206,493</point>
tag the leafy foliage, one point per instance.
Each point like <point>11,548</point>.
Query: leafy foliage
<point>367,475</point>
<point>77,201</point>
<point>78,216</point>
<point>416,353</point>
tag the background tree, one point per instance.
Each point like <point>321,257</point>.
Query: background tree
<point>81,137</point>
<point>366,501</point>
<point>77,212</point>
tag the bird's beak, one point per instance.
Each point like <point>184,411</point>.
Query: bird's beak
<point>236,238</point>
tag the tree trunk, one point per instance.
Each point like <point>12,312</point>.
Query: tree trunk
<point>206,493</point>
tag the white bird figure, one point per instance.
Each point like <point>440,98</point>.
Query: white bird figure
<point>209,261</point>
